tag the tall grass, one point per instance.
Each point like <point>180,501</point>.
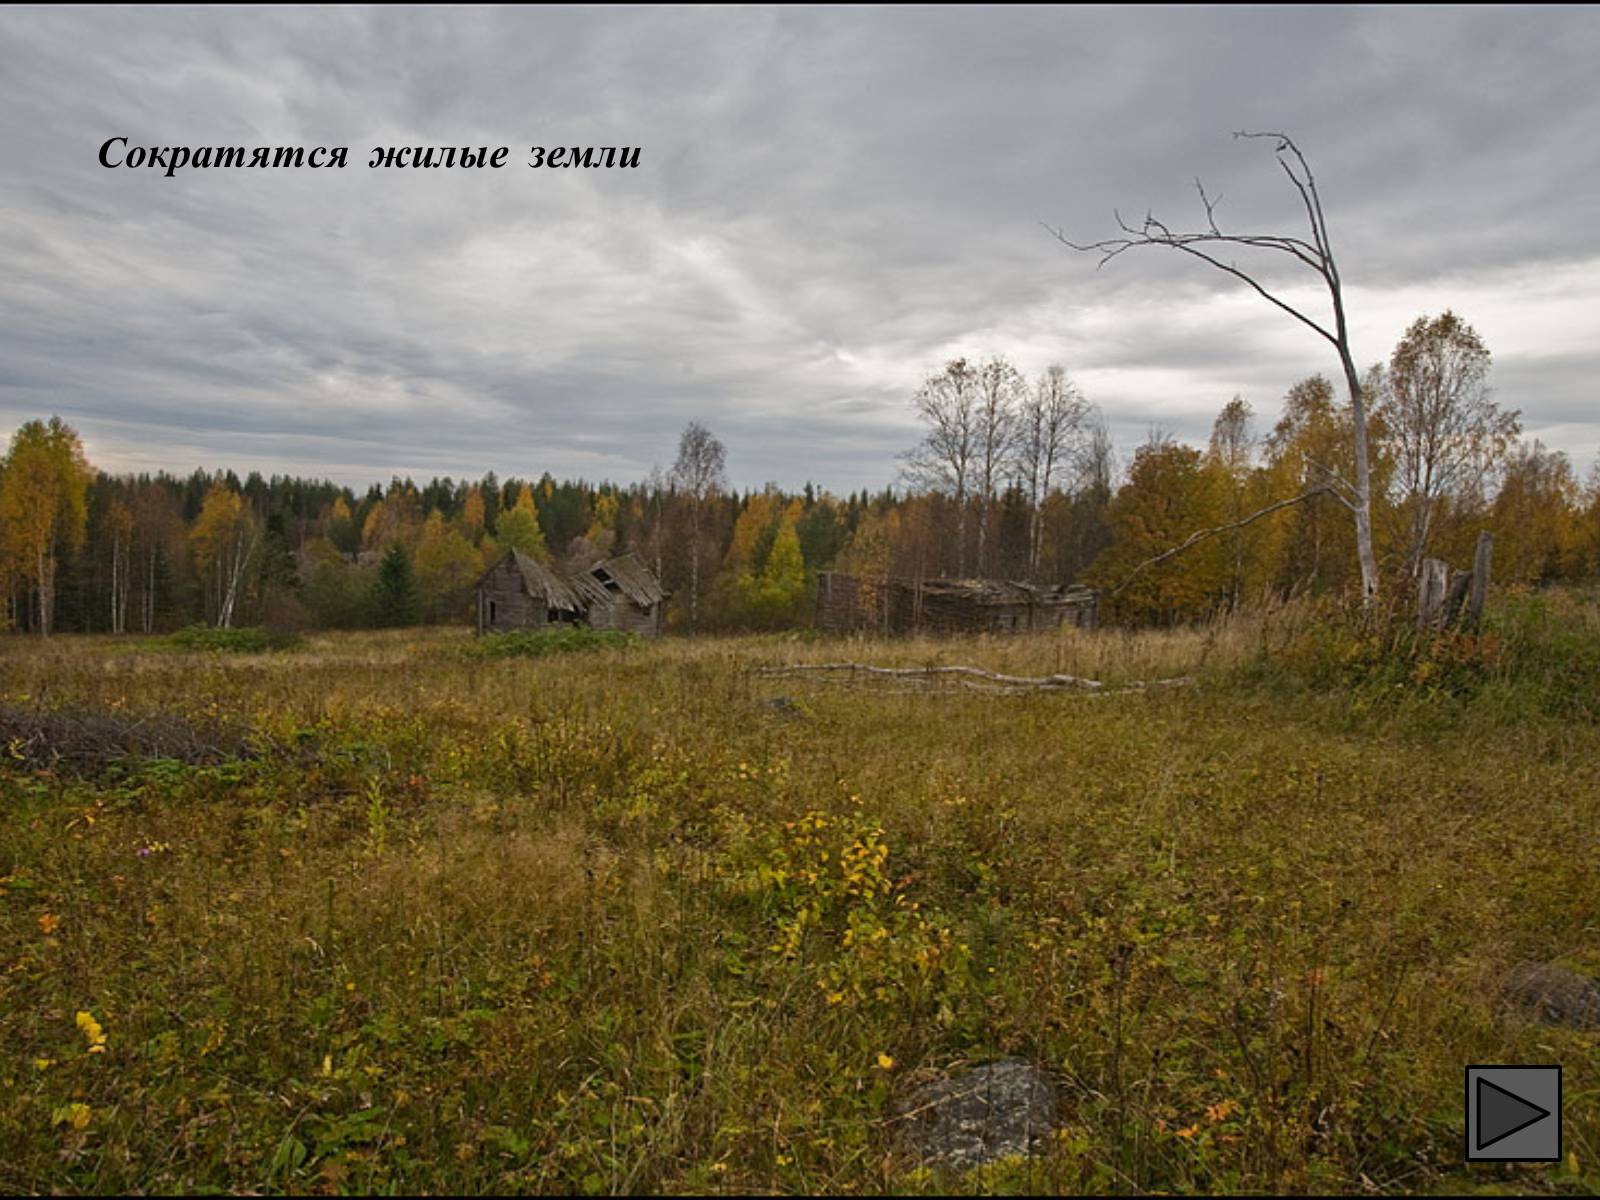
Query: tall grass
<point>611,923</point>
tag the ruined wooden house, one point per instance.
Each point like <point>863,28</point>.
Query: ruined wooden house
<point>894,605</point>
<point>519,592</point>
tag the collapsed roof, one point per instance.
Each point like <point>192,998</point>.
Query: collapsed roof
<point>623,574</point>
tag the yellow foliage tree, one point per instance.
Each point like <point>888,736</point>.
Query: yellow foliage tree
<point>44,487</point>
<point>446,567</point>
<point>1535,518</point>
<point>518,529</point>
<point>225,537</point>
<point>1169,495</point>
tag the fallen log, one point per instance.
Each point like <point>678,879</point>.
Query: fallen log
<point>856,671</point>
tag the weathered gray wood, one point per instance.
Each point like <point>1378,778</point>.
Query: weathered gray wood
<point>847,673</point>
<point>1460,581</point>
<point>1432,585</point>
<point>1480,579</point>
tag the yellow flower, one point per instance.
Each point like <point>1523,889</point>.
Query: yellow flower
<point>77,1115</point>
<point>885,1061</point>
<point>92,1032</point>
<point>49,923</point>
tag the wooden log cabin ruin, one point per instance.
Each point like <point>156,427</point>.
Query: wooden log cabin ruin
<point>847,602</point>
<point>519,592</point>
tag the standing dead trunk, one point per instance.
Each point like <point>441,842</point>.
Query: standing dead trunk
<point>1480,580</point>
<point>1432,592</point>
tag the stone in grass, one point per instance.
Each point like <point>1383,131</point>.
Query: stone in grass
<point>782,706</point>
<point>1553,995</point>
<point>1001,1109</point>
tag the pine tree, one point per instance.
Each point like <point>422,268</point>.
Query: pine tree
<point>393,600</point>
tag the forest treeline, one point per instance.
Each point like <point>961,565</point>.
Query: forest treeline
<point>1013,478</point>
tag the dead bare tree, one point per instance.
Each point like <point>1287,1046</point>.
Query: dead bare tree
<point>1317,255</point>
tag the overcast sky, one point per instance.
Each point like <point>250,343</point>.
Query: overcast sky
<point>828,205</point>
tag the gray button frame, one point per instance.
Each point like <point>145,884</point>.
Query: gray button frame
<point>1515,1092</point>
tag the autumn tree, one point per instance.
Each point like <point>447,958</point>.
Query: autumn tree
<point>1536,516</point>
<point>446,566</point>
<point>395,518</point>
<point>472,519</point>
<point>754,529</point>
<point>1317,539</point>
<point>779,594</point>
<point>44,483</point>
<point>699,475</point>
<point>225,537</point>
<point>334,589</point>
<point>340,527</point>
<point>118,529</point>
<point>160,549</point>
<point>518,529</point>
<point>1169,495</point>
<point>1243,490</point>
<point>1049,429</point>
<point>601,534</point>
<point>1001,392</point>
<point>1445,433</point>
<point>946,458</point>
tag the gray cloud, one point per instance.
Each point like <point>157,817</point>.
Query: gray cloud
<point>828,205</point>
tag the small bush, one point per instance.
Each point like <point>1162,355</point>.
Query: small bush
<point>230,641</point>
<point>538,643</point>
<point>1536,655</point>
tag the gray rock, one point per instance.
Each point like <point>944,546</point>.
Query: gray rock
<point>782,706</point>
<point>1553,995</point>
<point>998,1110</point>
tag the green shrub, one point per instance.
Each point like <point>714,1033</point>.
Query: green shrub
<point>230,641</point>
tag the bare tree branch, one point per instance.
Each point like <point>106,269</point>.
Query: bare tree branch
<point>1199,536</point>
<point>1316,254</point>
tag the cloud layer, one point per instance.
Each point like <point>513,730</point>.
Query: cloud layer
<point>828,205</point>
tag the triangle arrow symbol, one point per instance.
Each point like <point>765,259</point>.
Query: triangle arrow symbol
<point>1502,1113</point>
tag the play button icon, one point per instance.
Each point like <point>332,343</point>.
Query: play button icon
<point>1514,1114</point>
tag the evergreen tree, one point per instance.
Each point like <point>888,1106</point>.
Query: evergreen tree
<point>393,600</point>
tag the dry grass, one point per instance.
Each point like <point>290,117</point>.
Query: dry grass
<point>607,922</point>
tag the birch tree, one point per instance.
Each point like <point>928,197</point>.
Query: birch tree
<point>1445,432</point>
<point>1001,391</point>
<point>119,529</point>
<point>945,459</point>
<point>225,537</point>
<point>699,474</point>
<point>1050,427</point>
<point>44,509</point>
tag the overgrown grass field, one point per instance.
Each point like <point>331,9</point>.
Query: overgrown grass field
<point>608,920</point>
